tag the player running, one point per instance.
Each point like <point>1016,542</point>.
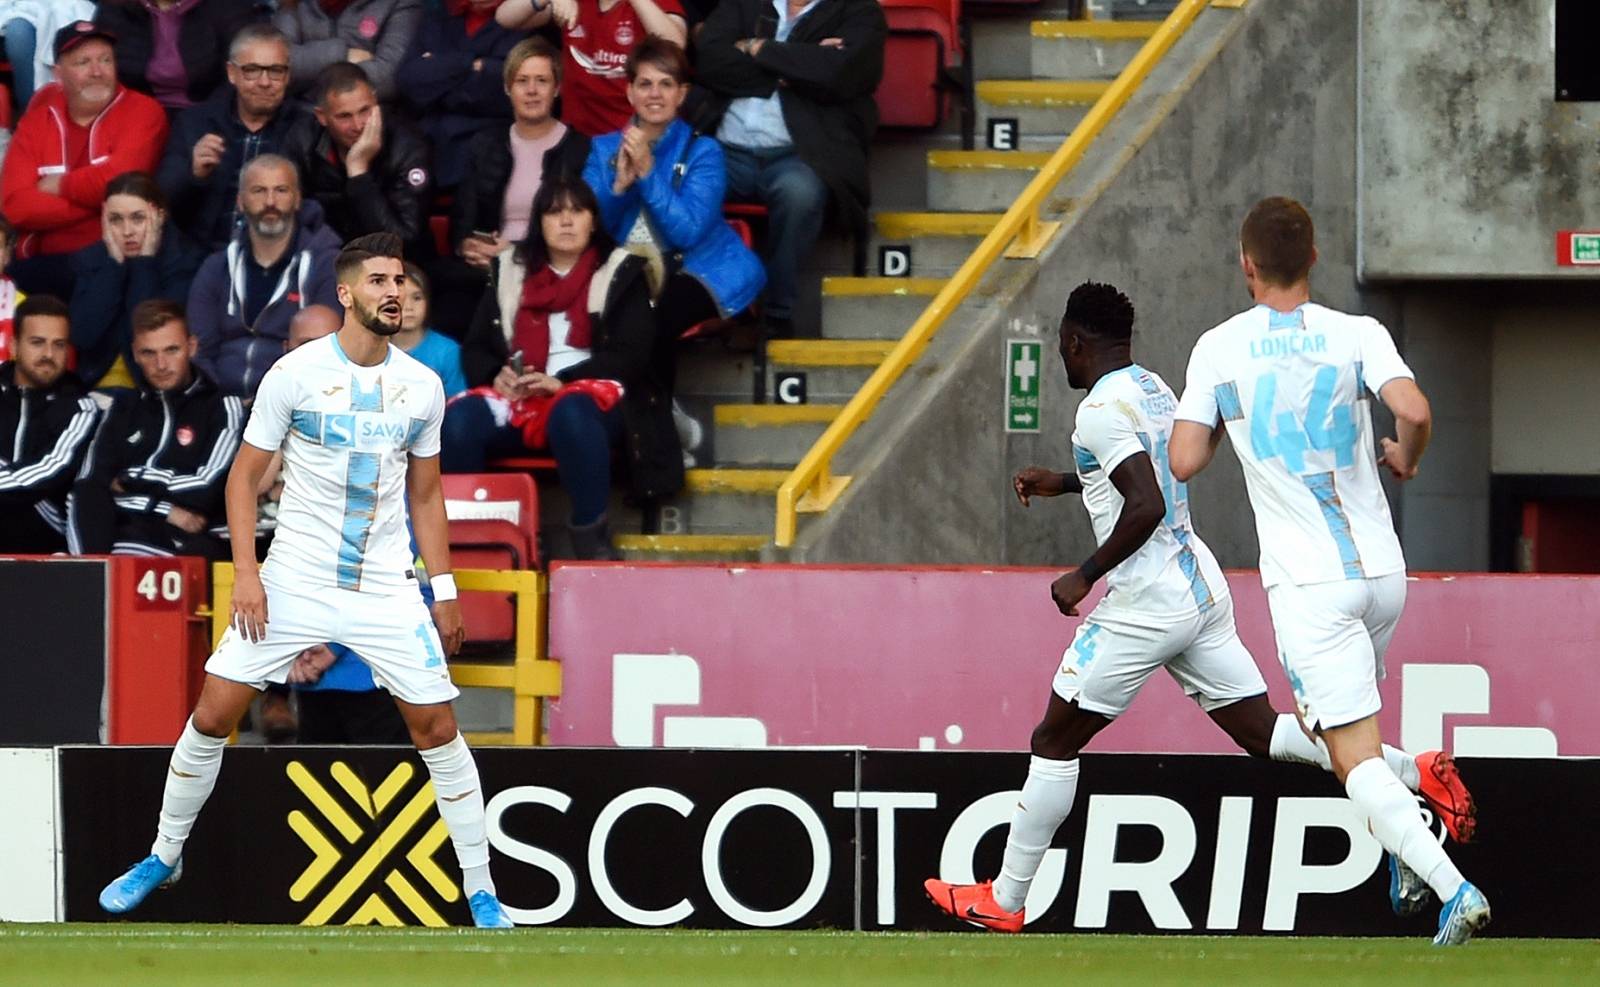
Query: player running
<point>1288,379</point>
<point>1166,606</point>
<point>358,422</point>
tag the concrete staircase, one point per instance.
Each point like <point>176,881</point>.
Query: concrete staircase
<point>726,511</point>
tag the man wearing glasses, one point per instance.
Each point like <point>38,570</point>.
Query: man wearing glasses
<point>213,141</point>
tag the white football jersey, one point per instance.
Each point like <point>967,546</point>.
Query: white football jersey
<point>1292,389</point>
<point>1173,575</point>
<point>346,432</point>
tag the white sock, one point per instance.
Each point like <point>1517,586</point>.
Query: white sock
<point>191,775</point>
<point>1046,800</point>
<point>1393,818</point>
<point>460,797</point>
<point>1290,744</point>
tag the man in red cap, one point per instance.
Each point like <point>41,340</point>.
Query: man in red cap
<point>79,132</point>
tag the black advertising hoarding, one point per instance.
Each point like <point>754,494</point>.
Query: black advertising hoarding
<point>797,839</point>
<point>55,653</point>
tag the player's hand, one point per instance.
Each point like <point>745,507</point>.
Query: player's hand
<point>452,632</point>
<point>1394,457</point>
<point>249,606</point>
<point>1068,591</point>
<point>310,664</point>
<point>1036,481</point>
<point>207,154</point>
<point>359,158</point>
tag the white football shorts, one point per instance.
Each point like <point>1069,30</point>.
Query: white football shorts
<point>394,635</point>
<point>1113,654</point>
<point>1331,642</point>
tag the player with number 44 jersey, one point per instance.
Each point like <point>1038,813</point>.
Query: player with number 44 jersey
<point>1290,383</point>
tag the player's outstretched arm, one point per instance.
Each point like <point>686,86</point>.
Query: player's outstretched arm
<point>249,598</point>
<point>428,523</point>
<point>1143,508</point>
<point>1413,426</point>
<point>1191,449</point>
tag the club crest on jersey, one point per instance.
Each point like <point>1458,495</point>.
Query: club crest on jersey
<point>625,35</point>
<point>184,435</point>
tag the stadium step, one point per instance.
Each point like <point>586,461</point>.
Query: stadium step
<point>686,548</point>
<point>726,501</point>
<point>1040,106</point>
<point>768,434</point>
<point>938,242</point>
<point>835,369</point>
<point>1086,49</point>
<point>874,308</point>
<point>981,181</point>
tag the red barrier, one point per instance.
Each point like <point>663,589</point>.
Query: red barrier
<point>797,655</point>
<point>159,644</point>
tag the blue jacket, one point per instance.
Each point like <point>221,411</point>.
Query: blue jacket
<point>683,195</point>
<point>105,292</point>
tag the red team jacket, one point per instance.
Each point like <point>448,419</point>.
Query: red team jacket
<point>128,135</point>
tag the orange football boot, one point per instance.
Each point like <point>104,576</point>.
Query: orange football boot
<point>974,904</point>
<point>1446,795</point>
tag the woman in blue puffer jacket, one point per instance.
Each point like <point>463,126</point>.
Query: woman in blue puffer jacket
<point>660,187</point>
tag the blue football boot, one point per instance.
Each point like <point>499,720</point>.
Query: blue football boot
<point>1408,893</point>
<point>1462,917</point>
<point>126,892</point>
<point>487,913</point>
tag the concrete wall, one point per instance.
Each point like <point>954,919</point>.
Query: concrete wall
<point>1469,165</point>
<point>1546,390</point>
<point>1263,101</point>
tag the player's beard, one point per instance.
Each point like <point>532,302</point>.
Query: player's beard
<point>374,322</point>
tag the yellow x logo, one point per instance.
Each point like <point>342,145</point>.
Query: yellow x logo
<point>396,827</point>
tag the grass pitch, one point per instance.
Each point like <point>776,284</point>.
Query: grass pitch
<point>136,955</point>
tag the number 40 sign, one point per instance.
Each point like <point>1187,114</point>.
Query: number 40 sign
<point>158,586</point>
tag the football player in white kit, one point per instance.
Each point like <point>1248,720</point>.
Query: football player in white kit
<point>1166,606</point>
<point>358,422</point>
<point>1289,380</point>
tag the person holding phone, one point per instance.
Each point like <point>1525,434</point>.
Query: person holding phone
<point>562,357</point>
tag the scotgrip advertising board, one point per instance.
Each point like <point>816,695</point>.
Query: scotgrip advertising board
<point>807,839</point>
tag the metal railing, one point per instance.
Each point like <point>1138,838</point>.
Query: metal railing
<point>530,676</point>
<point>811,487</point>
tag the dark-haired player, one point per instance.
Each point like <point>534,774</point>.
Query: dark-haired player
<point>358,422</point>
<point>1166,606</point>
<point>1289,380</point>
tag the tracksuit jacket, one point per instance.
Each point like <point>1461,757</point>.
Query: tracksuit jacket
<point>43,438</point>
<point>163,448</point>
<point>128,135</point>
<point>234,354</point>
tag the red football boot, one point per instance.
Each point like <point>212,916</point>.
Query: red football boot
<point>1446,795</point>
<point>974,904</point>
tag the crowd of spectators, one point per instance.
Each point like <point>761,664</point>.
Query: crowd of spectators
<point>181,174</point>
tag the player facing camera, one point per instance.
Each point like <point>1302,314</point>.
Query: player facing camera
<point>371,280</point>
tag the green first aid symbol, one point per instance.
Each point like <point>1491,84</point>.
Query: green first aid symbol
<point>1023,369</point>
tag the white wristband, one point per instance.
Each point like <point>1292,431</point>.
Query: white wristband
<point>444,587</point>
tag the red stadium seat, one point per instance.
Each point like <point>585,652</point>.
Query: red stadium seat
<point>922,62</point>
<point>523,464</point>
<point>493,524</point>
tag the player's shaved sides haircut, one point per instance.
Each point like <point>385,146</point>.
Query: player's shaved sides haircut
<point>1099,310</point>
<point>347,267</point>
<point>155,313</point>
<point>1278,237</point>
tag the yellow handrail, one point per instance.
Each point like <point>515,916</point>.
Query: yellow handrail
<point>813,476</point>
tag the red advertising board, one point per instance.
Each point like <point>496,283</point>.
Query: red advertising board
<point>961,658</point>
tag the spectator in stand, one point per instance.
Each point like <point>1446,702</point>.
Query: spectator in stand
<point>660,189</point>
<point>10,297</point>
<point>153,481</point>
<point>369,173</point>
<point>491,207</point>
<point>244,295</point>
<point>451,83</point>
<point>80,132</point>
<point>563,356</point>
<point>141,255</point>
<point>792,103</point>
<point>436,351</point>
<point>24,22</point>
<point>173,49</point>
<point>597,36</point>
<point>47,422</point>
<point>213,141</point>
<point>374,34</point>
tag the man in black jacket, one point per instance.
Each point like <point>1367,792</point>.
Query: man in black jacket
<point>154,478</point>
<point>47,421</point>
<point>211,142</point>
<point>370,174</point>
<point>792,103</point>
